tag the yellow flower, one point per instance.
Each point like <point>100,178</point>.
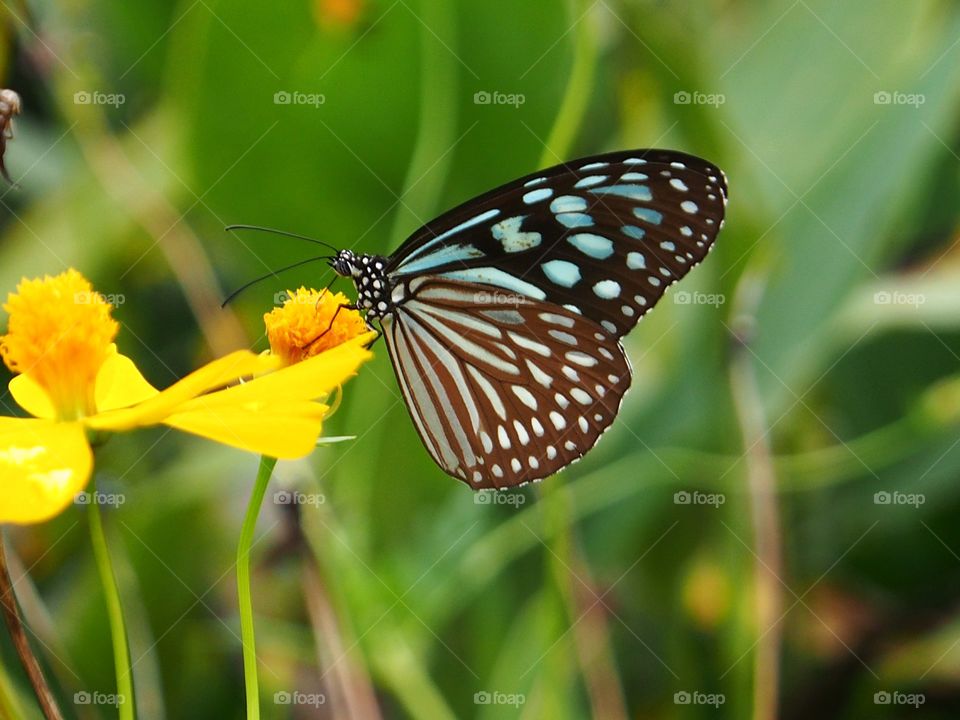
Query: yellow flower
<point>75,384</point>
<point>293,328</point>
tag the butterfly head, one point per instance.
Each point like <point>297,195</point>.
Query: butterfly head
<point>369,276</point>
<point>346,264</point>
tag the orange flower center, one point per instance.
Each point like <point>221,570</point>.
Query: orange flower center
<point>309,322</point>
<point>59,333</point>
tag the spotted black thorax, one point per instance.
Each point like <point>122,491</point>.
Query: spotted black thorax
<point>370,278</point>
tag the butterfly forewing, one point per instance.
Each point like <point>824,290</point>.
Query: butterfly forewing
<point>503,389</point>
<point>603,236</point>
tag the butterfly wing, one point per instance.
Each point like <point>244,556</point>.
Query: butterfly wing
<point>502,392</point>
<point>603,236</point>
<point>508,309</point>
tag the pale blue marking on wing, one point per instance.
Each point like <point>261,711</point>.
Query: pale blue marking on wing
<point>575,220</point>
<point>637,233</point>
<point>667,245</point>
<point>497,278</point>
<point>636,261</point>
<point>489,214</point>
<point>648,215</point>
<point>596,246</point>
<point>447,254</point>
<point>508,233</point>
<point>633,192</point>
<point>568,203</point>
<point>594,166</point>
<point>634,176</point>
<point>607,289</point>
<point>537,195</point>
<point>535,181</point>
<point>591,180</point>
<point>634,161</point>
<point>562,272</point>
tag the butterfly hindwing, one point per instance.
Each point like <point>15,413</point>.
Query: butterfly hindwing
<point>502,391</point>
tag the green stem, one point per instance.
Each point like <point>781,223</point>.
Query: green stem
<point>9,704</point>
<point>576,97</point>
<point>118,630</point>
<point>243,587</point>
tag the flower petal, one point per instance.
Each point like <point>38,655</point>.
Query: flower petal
<point>284,429</point>
<point>43,465</point>
<point>120,384</point>
<point>310,379</point>
<point>211,376</point>
<point>31,396</point>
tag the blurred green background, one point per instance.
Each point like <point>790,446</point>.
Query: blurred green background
<point>811,364</point>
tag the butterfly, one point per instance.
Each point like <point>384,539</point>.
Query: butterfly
<point>503,317</point>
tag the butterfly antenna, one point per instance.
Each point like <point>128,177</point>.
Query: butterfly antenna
<point>273,273</point>
<point>274,231</point>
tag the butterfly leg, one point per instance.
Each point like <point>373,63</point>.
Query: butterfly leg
<point>329,326</point>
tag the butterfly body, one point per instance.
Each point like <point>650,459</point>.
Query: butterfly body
<point>503,317</point>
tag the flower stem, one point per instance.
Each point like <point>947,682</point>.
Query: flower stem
<point>243,587</point>
<point>17,632</point>
<point>118,630</point>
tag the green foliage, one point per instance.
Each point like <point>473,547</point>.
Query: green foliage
<point>599,595</point>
